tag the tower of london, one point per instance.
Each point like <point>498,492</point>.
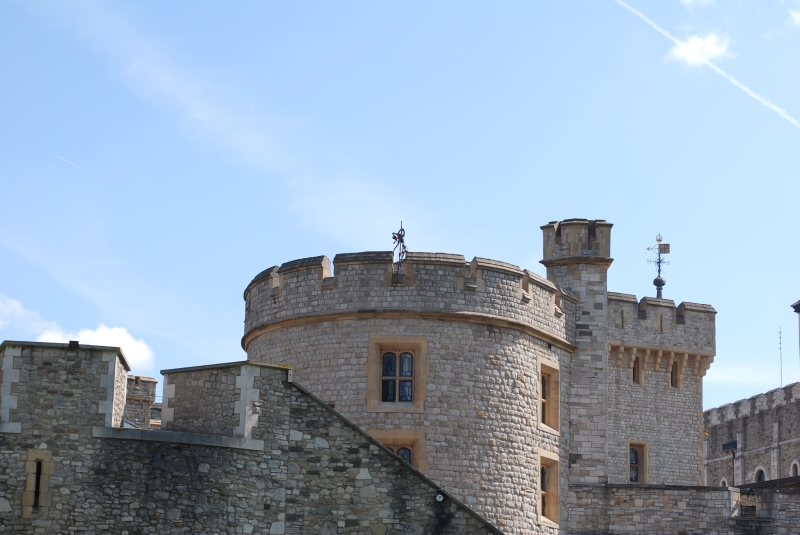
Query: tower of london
<point>428,395</point>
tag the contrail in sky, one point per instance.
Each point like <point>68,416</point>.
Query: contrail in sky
<point>731,79</point>
<point>69,162</point>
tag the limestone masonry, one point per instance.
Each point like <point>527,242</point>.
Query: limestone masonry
<point>432,395</point>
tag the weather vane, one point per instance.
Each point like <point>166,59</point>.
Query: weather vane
<point>400,243</point>
<point>659,249</point>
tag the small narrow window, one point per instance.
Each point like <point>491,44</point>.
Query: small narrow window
<point>634,465</point>
<point>37,489</point>
<point>673,375</point>
<point>795,470</point>
<point>637,463</point>
<point>548,486</point>
<point>760,476</point>
<point>661,323</point>
<point>637,370</point>
<point>543,483</point>
<point>545,381</point>
<point>723,483</point>
<point>622,318</point>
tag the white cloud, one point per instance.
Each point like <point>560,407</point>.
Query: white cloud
<point>699,50</point>
<point>14,317</point>
<point>795,18</point>
<point>691,4</point>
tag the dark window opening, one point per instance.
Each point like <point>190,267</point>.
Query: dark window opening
<point>545,381</point>
<point>635,466</point>
<point>405,454</point>
<point>543,484</point>
<point>761,476</point>
<point>673,377</point>
<point>37,489</point>
<point>637,370</point>
<point>394,366</point>
<point>794,470</point>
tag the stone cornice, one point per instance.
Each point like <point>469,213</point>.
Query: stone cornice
<point>562,260</point>
<point>458,317</point>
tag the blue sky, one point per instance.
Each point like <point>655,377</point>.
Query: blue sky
<point>155,156</point>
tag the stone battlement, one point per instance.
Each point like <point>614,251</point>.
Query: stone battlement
<point>753,405</point>
<point>660,325</point>
<point>436,283</point>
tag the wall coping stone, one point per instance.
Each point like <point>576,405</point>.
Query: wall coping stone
<point>11,343</point>
<point>446,259</point>
<point>366,257</point>
<point>178,437</point>
<point>226,365</point>
<point>630,298</point>
<point>698,488</point>
<point>304,263</point>
<point>496,265</point>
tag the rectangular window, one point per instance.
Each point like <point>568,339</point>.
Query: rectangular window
<point>396,374</point>
<point>674,375</point>
<point>549,397</point>
<point>548,488</point>
<point>637,462</point>
<point>637,370</point>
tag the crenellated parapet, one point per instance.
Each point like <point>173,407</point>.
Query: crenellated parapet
<point>658,327</point>
<point>434,285</point>
<point>752,406</point>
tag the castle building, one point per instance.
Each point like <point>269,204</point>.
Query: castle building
<point>430,395</point>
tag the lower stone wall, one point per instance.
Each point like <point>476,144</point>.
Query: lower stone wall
<point>307,470</point>
<point>644,509</point>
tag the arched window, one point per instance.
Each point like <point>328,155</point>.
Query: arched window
<point>723,483</point>
<point>760,476</point>
<point>795,469</point>
<point>397,373</point>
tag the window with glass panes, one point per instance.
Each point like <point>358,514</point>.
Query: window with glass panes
<point>397,376</point>
<point>404,452</point>
<point>636,460</point>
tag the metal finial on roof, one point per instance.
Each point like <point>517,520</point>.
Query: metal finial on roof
<point>660,249</point>
<point>399,243</point>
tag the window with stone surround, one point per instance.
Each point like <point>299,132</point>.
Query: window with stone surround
<point>760,476</point>
<point>723,483</point>
<point>36,497</point>
<point>637,462</point>
<point>408,445</point>
<point>548,488</point>
<point>549,397</point>
<point>795,470</point>
<point>397,374</point>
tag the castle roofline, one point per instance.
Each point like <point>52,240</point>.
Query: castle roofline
<point>226,365</point>
<point>55,345</point>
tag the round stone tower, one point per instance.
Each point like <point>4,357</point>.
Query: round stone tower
<point>459,367</point>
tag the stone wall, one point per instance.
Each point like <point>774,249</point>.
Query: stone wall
<point>435,282</point>
<point>202,400</point>
<point>139,399</point>
<point>645,509</point>
<point>480,415</point>
<point>306,469</point>
<point>766,430</point>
